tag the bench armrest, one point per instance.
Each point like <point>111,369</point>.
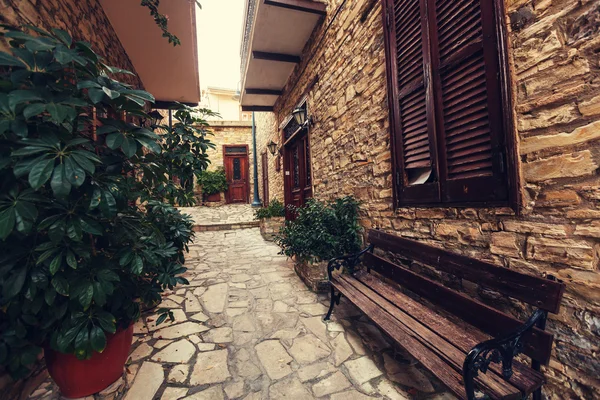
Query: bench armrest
<point>498,350</point>
<point>348,261</point>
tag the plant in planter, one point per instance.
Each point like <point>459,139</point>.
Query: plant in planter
<point>319,232</point>
<point>78,255</point>
<point>271,219</point>
<point>213,183</point>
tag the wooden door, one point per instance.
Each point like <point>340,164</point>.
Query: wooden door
<point>298,179</point>
<point>265,178</point>
<point>235,159</point>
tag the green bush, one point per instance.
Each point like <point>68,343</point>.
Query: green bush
<point>213,182</point>
<point>322,231</point>
<point>78,255</point>
<point>274,209</point>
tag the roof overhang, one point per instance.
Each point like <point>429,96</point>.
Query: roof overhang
<point>278,34</point>
<point>169,73</point>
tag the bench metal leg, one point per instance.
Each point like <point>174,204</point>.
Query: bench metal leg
<point>537,395</point>
<point>335,299</point>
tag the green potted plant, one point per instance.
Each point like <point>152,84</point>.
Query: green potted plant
<point>271,219</point>
<point>319,232</point>
<point>79,254</point>
<point>213,183</point>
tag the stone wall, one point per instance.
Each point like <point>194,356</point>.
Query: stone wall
<point>83,19</point>
<point>266,131</point>
<point>555,57</point>
<point>231,132</point>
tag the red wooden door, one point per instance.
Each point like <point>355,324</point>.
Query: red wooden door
<point>298,179</point>
<point>236,170</point>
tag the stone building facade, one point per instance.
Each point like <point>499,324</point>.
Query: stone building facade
<point>231,133</point>
<point>554,57</point>
<point>83,19</point>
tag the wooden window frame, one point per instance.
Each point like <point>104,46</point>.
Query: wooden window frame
<point>514,197</point>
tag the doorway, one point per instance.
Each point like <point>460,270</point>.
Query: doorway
<point>235,160</point>
<point>265,178</point>
<point>298,178</point>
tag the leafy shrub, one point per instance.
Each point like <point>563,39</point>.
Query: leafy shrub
<point>213,182</point>
<point>183,154</point>
<point>322,231</point>
<point>274,209</point>
<point>78,256</point>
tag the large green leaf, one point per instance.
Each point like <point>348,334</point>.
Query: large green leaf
<point>90,226</point>
<point>149,144</point>
<point>14,283</point>
<point>61,285</point>
<point>41,172</point>
<point>98,339</point>
<point>83,162</point>
<point>114,140</point>
<point>56,264</point>
<point>17,97</point>
<point>85,294</point>
<point>75,174</point>
<point>129,146</point>
<point>25,213</point>
<point>63,36</point>
<point>112,94</point>
<point>33,110</point>
<point>60,184</point>
<point>96,95</point>
<point>108,205</point>
<point>107,321</point>
<point>7,222</point>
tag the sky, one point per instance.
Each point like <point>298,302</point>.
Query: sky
<point>219,27</point>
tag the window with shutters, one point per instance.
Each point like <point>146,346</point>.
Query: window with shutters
<point>447,83</point>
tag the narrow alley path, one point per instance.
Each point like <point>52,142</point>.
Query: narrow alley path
<point>247,328</point>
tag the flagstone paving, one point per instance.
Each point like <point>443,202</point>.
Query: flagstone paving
<point>247,328</point>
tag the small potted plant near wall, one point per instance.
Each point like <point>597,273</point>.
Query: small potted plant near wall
<point>272,219</point>
<point>214,185</point>
<point>78,255</point>
<point>320,232</point>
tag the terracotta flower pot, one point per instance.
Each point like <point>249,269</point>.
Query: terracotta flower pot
<point>79,378</point>
<point>213,197</point>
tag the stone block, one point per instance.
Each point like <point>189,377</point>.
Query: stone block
<point>574,253</point>
<point>547,118</point>
<point>505,244</point>
<point>579,135</point>
<point>590,107</point>
<point>570,165</point>
<point>534,227</point>
<point>558,198</point>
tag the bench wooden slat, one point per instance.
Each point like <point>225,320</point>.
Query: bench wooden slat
<point>538,344</point>
<point>524,378</point>
<point>540,292</point>
<point>491,383</point>
<point>449,377</point>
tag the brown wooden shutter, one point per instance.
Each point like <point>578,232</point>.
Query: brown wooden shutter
<point>413,117</point>
<point>468,99</point>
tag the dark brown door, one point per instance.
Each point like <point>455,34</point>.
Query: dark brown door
<point>236,170</point>
<point>265,178</point>
<point>298,179</point>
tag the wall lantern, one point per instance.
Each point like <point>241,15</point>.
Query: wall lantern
<point>299,115</point>
<point>272,146</point>
<point>155,117</point>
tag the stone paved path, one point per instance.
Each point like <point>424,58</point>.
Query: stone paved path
<point>247,328</point>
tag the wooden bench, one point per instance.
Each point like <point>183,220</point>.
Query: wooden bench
<point>467,344</point>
